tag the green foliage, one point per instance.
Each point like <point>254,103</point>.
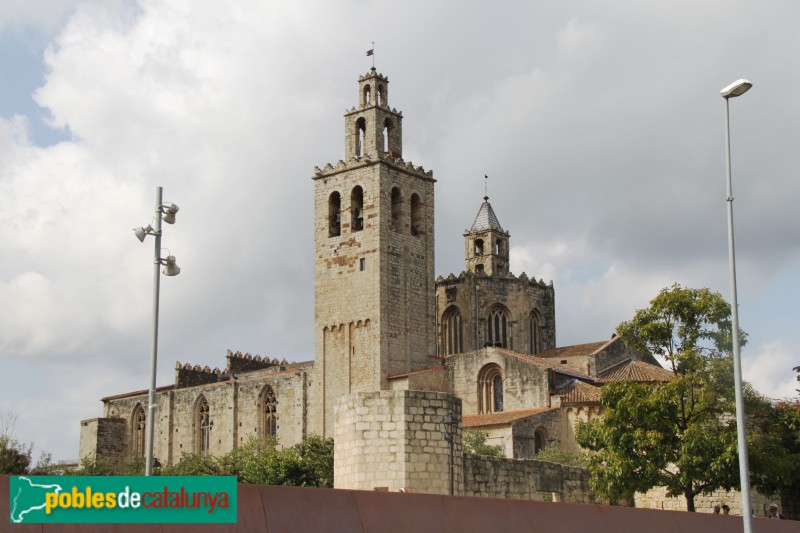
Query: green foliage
<point>262,461</point>
<point>15,457</point>
<point>556,453</point>
<point>474,442</point>
<point>774,445</point>
<point>686,326</point>
<point>681,434</point>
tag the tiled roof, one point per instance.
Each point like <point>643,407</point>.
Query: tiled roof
<point>579,392</point>
<point>536,360</point>
<point>631,370</point>
<point>500,419</point>
<point>576,350</point>
<point>486,218</point>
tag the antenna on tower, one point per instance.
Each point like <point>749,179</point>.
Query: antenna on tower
<point>371,52</point>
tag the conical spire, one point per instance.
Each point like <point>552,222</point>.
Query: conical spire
<point>486,218</point>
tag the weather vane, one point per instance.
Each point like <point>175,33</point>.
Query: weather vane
<point>485,187</point>
<point>371,52</point>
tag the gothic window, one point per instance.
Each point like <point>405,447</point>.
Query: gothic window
<point>357,208</point>
<point>490,389</point>
<point>497,328</point>
<point>416,215</point>
<point>397,210</point>
<point>204,425</point>
<point>539,439</point>
<point>535,323</point>
<point>361,130</point>
<point>139,424</point>
<point>478,247</point>
<point>452,331</point>
<point>269,410</point>
<point>334,214</point>
<point>367,95</point>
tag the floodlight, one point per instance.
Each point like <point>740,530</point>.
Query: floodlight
<point>143,232</point>
<point>171,268</point>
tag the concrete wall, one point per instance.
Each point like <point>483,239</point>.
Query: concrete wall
<point>394,440</point>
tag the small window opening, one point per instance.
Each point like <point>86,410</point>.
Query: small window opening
<point>478,246</point>
<point>367,95</point>
<point>361,131</point>
<point>563,361</point>
<point>397,213</point>
<point>334,214</point>
<point>479,269</point>
<point>416,215</point>
<point>357,208</point>
<point>362,264</point>
<point>388,128</point>
<point>498,247</point>
<point>381,95</point>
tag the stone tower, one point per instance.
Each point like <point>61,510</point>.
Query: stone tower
<point>374,310</point>
<point>487,243</point>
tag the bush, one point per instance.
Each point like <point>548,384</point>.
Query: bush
<point>475,443</point>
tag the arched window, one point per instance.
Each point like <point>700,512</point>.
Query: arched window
<point>367,95</point>
<point>361,130</point>
<point>397,210</point>
<point>490,389</point>
<point>334,214</point>
<point>416,214</point>
<point>381,95</point>
<point>497,328</point>
<point>452,331</point>
<point>357,208</point>
<point>139,426</point>
<point>478,247</point>
<point>204,425</point>
<point>498,247</point>
<point>535,324</point>
<point>388,127</point>
<point>479,269</point>
<point>269,410</point>
<point>539,439</point>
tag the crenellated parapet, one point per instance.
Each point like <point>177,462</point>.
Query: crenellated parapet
<point>453,280</point>
<point>357,162</point>
<point>239,363</point>
<point>187,375</point>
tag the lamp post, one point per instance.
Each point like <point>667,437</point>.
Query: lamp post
<point>733,90</point>
<point>167,212</point>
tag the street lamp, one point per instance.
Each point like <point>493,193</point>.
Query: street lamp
<point>167,212</point>
<point>733,90</point>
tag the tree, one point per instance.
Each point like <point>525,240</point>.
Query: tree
<point>680,435</point>
<point>474,442</point>
<point>15,457</point>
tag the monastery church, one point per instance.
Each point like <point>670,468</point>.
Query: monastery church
<point>403,361</point>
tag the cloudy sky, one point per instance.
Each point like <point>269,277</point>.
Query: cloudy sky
<point>600,125</point>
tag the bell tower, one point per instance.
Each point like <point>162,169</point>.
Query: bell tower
<point>374,301</point>
<point>487,243</point>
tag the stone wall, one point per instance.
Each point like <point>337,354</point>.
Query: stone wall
<point>234,407</point>
<point>525,479</point>
<point>104,438</point>
<point>396,439</point>
<point>525,384</point>
<point>519,295</point>
<point>704,503</point>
